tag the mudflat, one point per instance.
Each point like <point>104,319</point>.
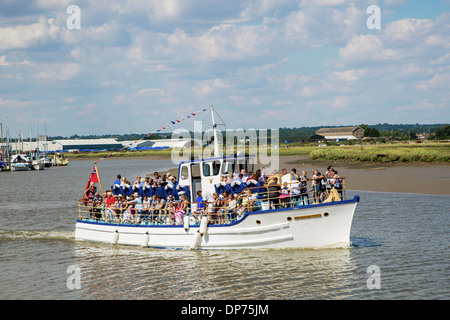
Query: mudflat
<point>390,177</point>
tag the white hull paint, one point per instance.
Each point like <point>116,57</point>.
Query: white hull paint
<point>19,167</point>
<point>313,226</point>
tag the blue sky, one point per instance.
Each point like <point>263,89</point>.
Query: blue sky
<point>135,65</point>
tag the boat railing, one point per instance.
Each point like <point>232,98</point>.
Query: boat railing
<point>219,210</point>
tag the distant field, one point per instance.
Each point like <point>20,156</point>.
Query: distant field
<point>426,152</point>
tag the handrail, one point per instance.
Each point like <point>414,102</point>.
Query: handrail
<point>217,210</point>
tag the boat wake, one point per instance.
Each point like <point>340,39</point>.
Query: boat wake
<point>35,235</point>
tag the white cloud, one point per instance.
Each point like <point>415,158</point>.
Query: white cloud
<point>438,81</point>
<point>366,48</point>
<point>59,71</point>
<point>151,92</point>
<point>5,63</point>
<point>27,36</point>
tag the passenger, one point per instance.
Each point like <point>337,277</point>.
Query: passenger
<point>145,208</point>
<point>119,207</point>
<point>284,197</point>
<point>169,212</point>
<point>244,175</point>
<point>328,176</point>
<point>274,192</point>
<point>157,177</point>
<point>285,177</point>
<point>336,181</point>
<point>89,194</point>
<point>130,212</point>
<point>181,209</point>
<point>230,206</point>
<point>257,176</point>
<point>304,187</point>
<point>252,197</point>
<point>213,206</point>
<point>110,207</point>
<point>160,207</point>
<point>274,176</point>
<point>118,180</point>
<point>138,208</point>
<point>200,206</point>
<point>96,206</point>
<point>137,181</point>
<point>316,185</point>
<point>295,186</point>
<point>243,207</point>
<point>263,176</point>
<point>170,181</point>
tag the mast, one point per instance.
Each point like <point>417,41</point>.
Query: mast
<point>216,142</point>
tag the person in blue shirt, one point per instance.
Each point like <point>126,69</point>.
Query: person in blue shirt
<point>200,206</point>
<point>118,180</point>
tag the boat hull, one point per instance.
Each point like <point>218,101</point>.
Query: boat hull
<point>313,226</point>
<point>19,167</point>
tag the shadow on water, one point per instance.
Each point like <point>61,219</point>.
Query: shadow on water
<point>363,242</point>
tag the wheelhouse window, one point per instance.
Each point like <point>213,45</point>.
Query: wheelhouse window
<point>195,171</point>
<point>211,168</point>
<point>228,167</point>
<point>184,173</point>
<point>206,169</point>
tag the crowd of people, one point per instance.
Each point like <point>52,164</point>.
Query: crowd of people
<point>223,206</point>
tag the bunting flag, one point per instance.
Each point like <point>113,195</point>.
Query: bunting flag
<point>173,122</point>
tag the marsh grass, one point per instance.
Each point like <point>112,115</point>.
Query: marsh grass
<point>427,153</point>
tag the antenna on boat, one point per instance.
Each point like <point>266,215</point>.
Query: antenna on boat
<point>216,142</point>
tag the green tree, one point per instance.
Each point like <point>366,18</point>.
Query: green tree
<point>369,132</point>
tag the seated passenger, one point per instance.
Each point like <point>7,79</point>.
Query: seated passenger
<point>181,209</point>
<point>231,206</point>
<point>145,208</point>
<point>284,197</point>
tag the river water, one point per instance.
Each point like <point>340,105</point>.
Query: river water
<point>399,250</point>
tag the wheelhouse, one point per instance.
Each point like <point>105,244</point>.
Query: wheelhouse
<point>205,174</point>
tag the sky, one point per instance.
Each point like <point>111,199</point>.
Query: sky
<point>131,66</point>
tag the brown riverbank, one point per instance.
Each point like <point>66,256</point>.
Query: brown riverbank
<point>391,177</point>
<point>381,177</point>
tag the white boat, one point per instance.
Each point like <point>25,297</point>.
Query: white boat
<point>20,162</point>
<point>37,164</point>
<point>296,222</point>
